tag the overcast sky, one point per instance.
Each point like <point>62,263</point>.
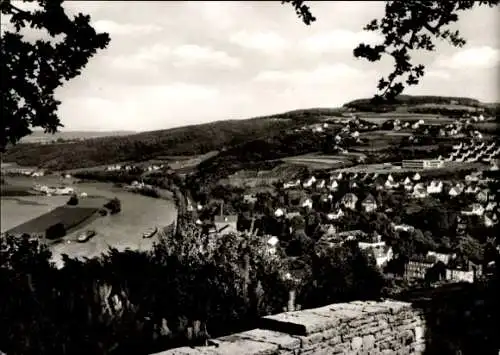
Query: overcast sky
<point>176,63</point>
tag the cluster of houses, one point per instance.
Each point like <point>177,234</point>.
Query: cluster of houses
<point>25,172</point>
<point>476,152</point>
<point>119,167</point>
<point>474,186</point>
<point>445,267</point>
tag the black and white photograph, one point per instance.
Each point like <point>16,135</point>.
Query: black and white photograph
<point>249,177</point>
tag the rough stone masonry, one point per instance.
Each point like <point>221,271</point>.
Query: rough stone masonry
<point>388,327</point>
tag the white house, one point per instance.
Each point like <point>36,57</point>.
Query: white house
<point>307,203</point>
<point>490,206</point>
<point>454,191</point>
<point>488,221</point>
<point>279,212</point>
<point>321,184</point>
<point>64,191</point>
<point>435,187</point>
<point>310,181</point>
<point>335,215</point>
<point>291,184</point>
<point>334,186</point>
<point>475,209</point>
<point>419,191</point>
<point>349,201</point>
<point>416,177</point>
<point>402,227</point>
<point>369,204</point>
<point>382,253</point>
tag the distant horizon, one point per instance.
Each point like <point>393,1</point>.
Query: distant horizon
<point>171,64</point>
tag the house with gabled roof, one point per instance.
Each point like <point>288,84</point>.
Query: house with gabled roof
<point>407,181</point>
<point>482,196</point>
<point>435,187</point>
<point>306,203</point>
<point>419,191</point>
<point>369,204</point>
<point>416,177</point>
<point>491,206</point>
<point>334,185</point>
<point>349,201</point>
<point>226,224</point>
<point>320,184</point>
<point>454,191</point>
<point>335,215</point>
<point>309,182</point>
<point>488,219</point>
<point>279,212</point>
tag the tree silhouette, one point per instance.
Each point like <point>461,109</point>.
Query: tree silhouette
<point>32,70</point>
<point>406,26</point>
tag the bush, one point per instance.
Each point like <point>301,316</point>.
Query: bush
<point>114,206</point>
<point>73,201</point>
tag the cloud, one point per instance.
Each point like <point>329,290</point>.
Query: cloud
<point>440,74</point>
<point>128,107</point>
<point>144,58</point>
<point>192,54</point>
<point>115,28</point>
<point>324,74</point>
<point>148,58</point>
<point>338,40</point>
<point>484,57</point>
<point>267,42</point>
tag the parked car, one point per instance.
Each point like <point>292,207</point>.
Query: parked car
<point>149,233</point>
<point>82,238</point>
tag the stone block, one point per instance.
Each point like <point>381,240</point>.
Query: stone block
<point>358,322</point>
<point>181,351</point>
<point>368,342</point>
<point>284,341</point>
<point>235,344</point>
<point>319,337</point>
<point>356,343</point>
<point>395,307</point>
<point>334,341</point>
<point>419,333</point>
<point>299,323</point>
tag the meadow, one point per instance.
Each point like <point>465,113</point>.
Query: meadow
<point>316,161</point>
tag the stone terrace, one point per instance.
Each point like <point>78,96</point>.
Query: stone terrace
<point>388,327</point>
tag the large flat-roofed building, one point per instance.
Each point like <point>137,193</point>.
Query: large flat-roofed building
<point>422,164</point>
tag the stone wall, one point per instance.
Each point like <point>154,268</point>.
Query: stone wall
<point>388,327</point>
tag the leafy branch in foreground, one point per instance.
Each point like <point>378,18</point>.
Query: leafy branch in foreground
<point>31,70</point>
<point>408,26</point>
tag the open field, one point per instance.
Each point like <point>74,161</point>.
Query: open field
<point>393,169</point>
<point>19,210</point>
<point>69,216</point>
<point>323,161</point>
<point>123,230</point>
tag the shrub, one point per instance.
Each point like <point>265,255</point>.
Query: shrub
<point>73,201</point>
<point>114,206</point>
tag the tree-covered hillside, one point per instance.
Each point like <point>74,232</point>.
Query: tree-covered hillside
<point>425,104</point>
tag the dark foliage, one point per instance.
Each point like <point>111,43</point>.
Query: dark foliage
<point>412,26</point>
<point>73,201</point>
<point>31,72</point>
<point>114,206</point>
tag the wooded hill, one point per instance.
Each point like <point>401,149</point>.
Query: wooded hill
<point>199,139</point>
